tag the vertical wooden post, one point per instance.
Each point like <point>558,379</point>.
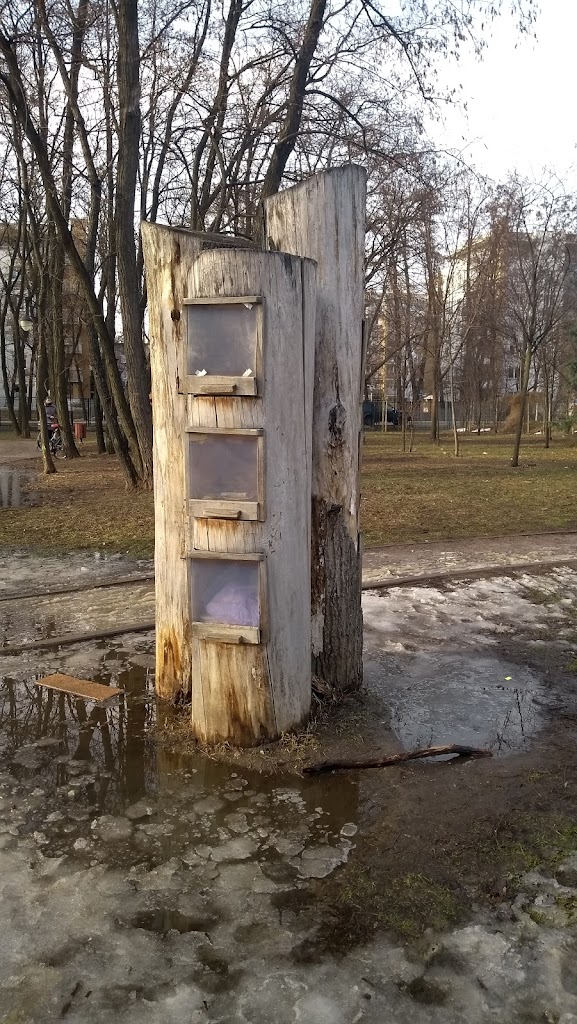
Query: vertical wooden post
<point>247,683</point>
<point>324,218</point>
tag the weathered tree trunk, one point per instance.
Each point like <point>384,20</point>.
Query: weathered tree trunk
<point>247,684</point>
<point>98,426</point>
<point>47,460</point>
<point>522,404</point>
<point>324,218</point>
<point>129,285</point>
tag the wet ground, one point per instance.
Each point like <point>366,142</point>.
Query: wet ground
<point>146,881</point>
<point>14,490</point>
<point>470,556</point>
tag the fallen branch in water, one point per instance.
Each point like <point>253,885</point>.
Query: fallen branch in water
<point>384,762</point>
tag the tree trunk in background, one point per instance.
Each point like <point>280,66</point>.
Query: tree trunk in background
<point>434,413</point>
<point>547,411</point>
<point>31,374</point>
<point>58,376</point>
<point>129,284</point>
<point>47,459</point>
<point>19,358</point>
<point>324,218</point>
<point>522,405</point>
<point>290,130</point>
<point>453,417</point>
<point>100,443</point>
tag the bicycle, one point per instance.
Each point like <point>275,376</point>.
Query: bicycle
<point>55,443</point>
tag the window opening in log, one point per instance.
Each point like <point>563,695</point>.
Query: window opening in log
<point>225,473</point>
<point>222,346</point>
<point>226,598</point>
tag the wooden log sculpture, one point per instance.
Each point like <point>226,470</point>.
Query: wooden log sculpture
<point>232,568</point>
<point>324,218</point>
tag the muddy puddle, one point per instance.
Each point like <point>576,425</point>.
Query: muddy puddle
<point>11,487</point>
<point>97,784</point>
<point>100,787</point>
<point>144,881</point>
<point>475,700</point>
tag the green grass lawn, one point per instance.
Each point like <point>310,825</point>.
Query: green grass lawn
<point>427,494</point>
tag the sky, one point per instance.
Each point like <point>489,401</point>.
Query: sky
<point>520,97</point>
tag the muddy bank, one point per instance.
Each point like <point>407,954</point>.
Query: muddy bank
<point>142,880</point>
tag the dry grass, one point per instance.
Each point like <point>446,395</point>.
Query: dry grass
<point>84,505</point>
<point>431,495</point>
<point>424,495</point>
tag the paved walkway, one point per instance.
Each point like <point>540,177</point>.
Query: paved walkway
<point>455,557</point>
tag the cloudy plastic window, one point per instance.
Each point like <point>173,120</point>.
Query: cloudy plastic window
<point>222,339</point>
<point>223,467</point>
<point>225,591</point>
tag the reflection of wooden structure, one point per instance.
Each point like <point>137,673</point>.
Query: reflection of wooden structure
<point>232,549</point>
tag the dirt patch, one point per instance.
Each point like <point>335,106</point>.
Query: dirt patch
<point>442,840</point>
<point>424,495</point>
<point>84,505</point>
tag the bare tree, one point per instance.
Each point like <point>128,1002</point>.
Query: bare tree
<point>540,219</point>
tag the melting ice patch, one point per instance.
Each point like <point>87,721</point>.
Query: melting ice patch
<point>472,613</point>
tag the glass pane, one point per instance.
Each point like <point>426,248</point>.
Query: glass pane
<point>222,340</point>
<point>223,467</point>
<point>225,591</point>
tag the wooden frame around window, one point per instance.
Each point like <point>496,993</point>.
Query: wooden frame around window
<point>229,508</point>
<point>223,632</point>
<point>219,385</point>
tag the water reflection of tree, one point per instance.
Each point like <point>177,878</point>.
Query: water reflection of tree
<point>25,624</point>
<point>112,741</point>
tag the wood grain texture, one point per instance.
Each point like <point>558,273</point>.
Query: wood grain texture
<point>85,688</point>
<point>223,300</point>
<point>225,509</point>
<point>214,385</point>
<point>227,634</point>
<point>243,693</point>
<point>324,218</point>
<point>284,409</point>
<point>230,431</point>
<point>169,256</point>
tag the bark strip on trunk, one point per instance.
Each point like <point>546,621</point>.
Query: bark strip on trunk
<point>324,218</point>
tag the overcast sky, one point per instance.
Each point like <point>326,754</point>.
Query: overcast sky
<point>522,98</point>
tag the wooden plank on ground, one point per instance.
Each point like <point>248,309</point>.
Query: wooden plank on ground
<point>85,688</point>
